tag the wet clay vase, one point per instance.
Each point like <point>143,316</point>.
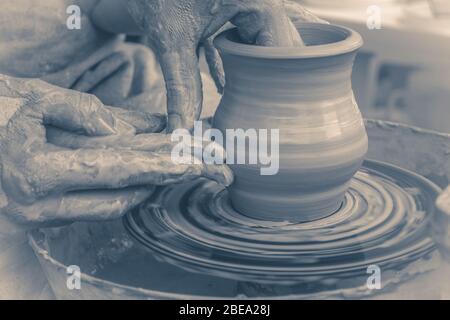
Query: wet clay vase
<point>305,93</point>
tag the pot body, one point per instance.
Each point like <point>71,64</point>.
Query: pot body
<point>322,138</point>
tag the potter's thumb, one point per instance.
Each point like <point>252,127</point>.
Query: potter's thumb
<point>279,31</point>
<point>141,122</point>
<point>222,174</point>
<point>209,150</point>
<point>62,108</point>
<point>184,87</point>
<point>76,111</point>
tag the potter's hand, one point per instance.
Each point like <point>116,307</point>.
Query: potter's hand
<point>45,175</point>
<point>175,28</point>
<point>296,12</point>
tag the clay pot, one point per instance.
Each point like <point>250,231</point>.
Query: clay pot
<point>306,93</point>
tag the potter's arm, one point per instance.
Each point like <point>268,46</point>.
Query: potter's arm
<point>113,16</point>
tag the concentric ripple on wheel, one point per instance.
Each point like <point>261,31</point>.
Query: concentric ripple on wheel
<point>382,221</point>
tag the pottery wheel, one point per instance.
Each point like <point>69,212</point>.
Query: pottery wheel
<point>383,221</point>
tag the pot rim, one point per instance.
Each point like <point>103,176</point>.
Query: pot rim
<point>352,42</point>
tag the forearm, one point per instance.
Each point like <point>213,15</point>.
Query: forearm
<point>112,16</point>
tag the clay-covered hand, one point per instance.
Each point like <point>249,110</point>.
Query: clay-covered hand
<point>65,157</point>
<point>175,29</point>
<point>297,14</point>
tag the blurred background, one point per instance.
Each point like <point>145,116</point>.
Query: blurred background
<point>403,71</point>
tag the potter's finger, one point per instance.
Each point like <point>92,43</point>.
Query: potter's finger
<point>279,31</point>
<point>215,64</point>
<point>219,173</point>
<point>93,205</point>
<point>268,26</point>
<point>77,111</point>
<point>184,87</point>
<point>244,18</point>
<point>101,204</point>
<point>70,110</point>
<point>221,15</point>
<point>100,72</point>
<point>50,171</point>
<point>141,121</point>
<point>298,13</point>
<point>298,41</point>
<point>159,143</point>
<point>156,142</point>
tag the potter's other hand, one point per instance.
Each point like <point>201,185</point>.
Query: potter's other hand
<point>51,173</point>
<point>175,28</point>
<point>296,12</point>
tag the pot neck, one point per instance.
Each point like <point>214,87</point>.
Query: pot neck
<point>300,78</point>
